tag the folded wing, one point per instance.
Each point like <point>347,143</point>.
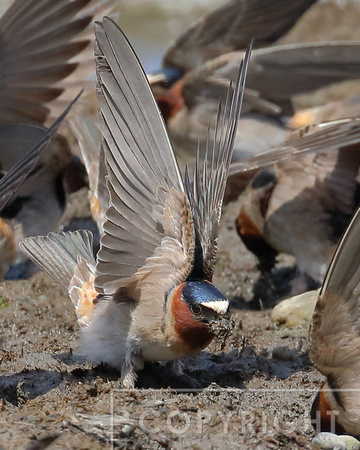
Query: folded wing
<point>335,327</point>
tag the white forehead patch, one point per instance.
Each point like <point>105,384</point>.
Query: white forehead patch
<point>219,306</point>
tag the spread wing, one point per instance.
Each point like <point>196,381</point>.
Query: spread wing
<point>299,68</point>
<point>36,139</point>
<point>276,74</point>
<point>231,27</point>
<point>40,41</point>
<point>319,137</point>
<point>148,228</point>
<point>335,327</point>
<point>206,193</point>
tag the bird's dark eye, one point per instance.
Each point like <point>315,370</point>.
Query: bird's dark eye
<point>195,309</point>
<point>166,84</point>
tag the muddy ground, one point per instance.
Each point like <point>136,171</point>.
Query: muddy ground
<point>255,393</point>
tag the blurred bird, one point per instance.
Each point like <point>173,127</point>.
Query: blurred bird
<point>149,296</point>
<point>334,339</point>
<point>349,107</point>
<point>301,206</point>
<point>88,134</point>
<point>12,179</point>
<point>227,29</point>
<point>197,70</point>
<point>44,57</point>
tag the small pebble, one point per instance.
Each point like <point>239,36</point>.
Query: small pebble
<point>297,311</point>
<point>330,441</point>
<point>351,442</point>
<point>127,430</point>
<point>152,403</point>
<point>283,354</point>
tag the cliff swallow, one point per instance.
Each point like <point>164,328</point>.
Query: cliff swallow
<point>149,295</point>
<point>45,54</point>
<point>42,62</point>
<point>197,69</point>
<point>190,104</point>
<point>350,107</point>
<point>230,28</point>
<point>302,205</point>
<point>334,339</point>
<point>17,165</point>
<point>88,134</point>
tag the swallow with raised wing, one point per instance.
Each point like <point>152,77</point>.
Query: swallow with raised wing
<point>44,57</point>
<point>23,163</point>
<point>335,338</point>
<point>149,295</point>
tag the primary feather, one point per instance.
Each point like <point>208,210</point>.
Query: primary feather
<point>206,193</point>
<point>150,218</point>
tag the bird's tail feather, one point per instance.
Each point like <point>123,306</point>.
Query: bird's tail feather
<point>68,259</point>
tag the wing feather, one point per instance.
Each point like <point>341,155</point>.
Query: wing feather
<point>231,27</point>
<point>68,259</point>
<point>319,137</point>
<point>295,69</point>
<point>335,327</point>
<point>276,74</point>
<point>58,254</point>
<point>207,191</point>
<point>143,177</point>
<point>43,53</point>
<point>17,174</point>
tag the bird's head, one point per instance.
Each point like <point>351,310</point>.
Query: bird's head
<point>167,89</point>
<point>251,221</point>
<point>199,312</point>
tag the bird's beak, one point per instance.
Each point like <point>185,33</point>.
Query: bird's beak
<point>222,327</point>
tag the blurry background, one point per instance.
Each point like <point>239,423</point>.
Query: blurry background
<point>152,25</point>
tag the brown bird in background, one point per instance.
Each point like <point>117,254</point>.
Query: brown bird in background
<point>23,163</point>
<point>335,339</point>
<point>45,56</point>
<point>301,206</point>
<point>197,68</point>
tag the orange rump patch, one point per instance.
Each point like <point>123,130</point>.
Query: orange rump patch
<point>87,301</point>
<point>303,118</point>
<point>95,208</point>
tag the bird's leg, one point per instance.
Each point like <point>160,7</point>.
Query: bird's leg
<point>128,377</point>
<point>177,368</point>
<point>132,363</point>
<point>302,283</point>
